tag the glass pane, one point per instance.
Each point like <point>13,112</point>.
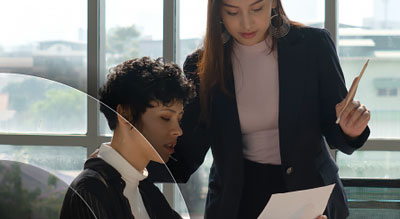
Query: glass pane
<point>369,164</point>
<point>373,202</point>
<point>65,162</point>
<point>195,190</point>
<point>132,29</point>
<point>373,32</point>
<point>308,12</point>
<point>35,105</point>
<point>192,26</point>
<point>45,38</point>
<point>34,179</point>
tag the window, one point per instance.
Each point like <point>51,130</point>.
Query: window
<point>382,91</point>
<point>50,44</point>
<point>128,35</point>
<point>373,32</point>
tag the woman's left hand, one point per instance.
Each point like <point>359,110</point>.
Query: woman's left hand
<point>354,119</point>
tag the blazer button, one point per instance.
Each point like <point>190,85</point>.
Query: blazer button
<point>289,170</point>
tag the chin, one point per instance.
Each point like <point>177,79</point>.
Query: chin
<point>165,158</point>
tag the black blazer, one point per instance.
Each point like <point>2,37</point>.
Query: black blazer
<point>311,83</point>
<point>101,186</point>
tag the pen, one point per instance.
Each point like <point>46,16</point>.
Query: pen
<point>352,91</point>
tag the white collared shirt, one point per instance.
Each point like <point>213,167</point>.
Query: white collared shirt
<point>130,175</point>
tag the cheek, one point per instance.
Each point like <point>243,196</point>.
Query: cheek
<point>154,134</point>
<point>264,19</point>
<point>230,24</point>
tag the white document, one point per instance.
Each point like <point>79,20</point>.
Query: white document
<point>303,204</point>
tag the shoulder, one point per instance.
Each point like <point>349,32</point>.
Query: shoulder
<point>312,36</point>
<point>190,68</point>
<point>193,57</point>
<point>309,32</point>
<point>317,40</point>
<point>90,181</point>
<point>191,63</point>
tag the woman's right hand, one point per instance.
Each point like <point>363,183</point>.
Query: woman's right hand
<point>94,154</point>
<point>322,217</point>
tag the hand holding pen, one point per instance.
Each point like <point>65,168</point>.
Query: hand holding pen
<point>352,116</point>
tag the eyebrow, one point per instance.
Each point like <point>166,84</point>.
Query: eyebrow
<point>171,110</point>
<point>232,6</point>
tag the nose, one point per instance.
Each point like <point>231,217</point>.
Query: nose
<point>246,22</point>
<point>176,130</point>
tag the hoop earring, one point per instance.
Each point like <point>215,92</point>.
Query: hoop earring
<point>279,25</point>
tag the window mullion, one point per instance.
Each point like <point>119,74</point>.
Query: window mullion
<point>331,18</point>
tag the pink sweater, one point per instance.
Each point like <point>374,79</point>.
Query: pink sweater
<point>255,71</point>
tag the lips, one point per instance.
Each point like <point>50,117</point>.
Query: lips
<point>170,147</point>
<point>248,35</point>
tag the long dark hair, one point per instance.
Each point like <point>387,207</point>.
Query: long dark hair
<point>215,62</point>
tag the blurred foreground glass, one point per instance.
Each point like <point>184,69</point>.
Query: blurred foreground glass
<point>27,170</point>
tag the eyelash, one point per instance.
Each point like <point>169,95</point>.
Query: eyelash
<point>235,13</point>
<point>258,9</point>
<point>165,119</point>
<point>232,13</point>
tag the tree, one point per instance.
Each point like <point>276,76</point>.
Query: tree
<point>121,44</point>
<point>15,201</point>
<point>23,94</point>
<point>62,109</point>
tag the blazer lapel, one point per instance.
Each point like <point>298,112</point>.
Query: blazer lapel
<point>227,117</point>
<point>291,58</point>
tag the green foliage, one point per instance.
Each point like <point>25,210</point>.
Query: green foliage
<point>52,181</point>
<point>23,94</point>
<point>17,202</point>
<point>63,109</point>
<point>122,44</point>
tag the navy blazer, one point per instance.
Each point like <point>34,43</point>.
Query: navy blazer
<point>311,83</point>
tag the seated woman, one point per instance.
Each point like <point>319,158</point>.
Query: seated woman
<point>149,95</point>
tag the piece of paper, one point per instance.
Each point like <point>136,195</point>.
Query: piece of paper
<point>303,204</point>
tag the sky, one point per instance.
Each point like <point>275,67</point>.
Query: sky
<point>27,21</point>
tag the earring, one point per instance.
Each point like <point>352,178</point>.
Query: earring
<point>225,36</point>
<point>279,25</point>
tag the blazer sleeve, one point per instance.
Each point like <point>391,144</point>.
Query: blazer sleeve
<point>193,145</point>
<point>332,91</point>
<point>82,204</point>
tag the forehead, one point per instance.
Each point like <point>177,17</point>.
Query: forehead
<point>175,105</point>
<point>241,3</point>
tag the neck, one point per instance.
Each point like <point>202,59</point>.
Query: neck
<point>130,149</point>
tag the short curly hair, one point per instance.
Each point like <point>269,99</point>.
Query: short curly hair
<point>136,82</point>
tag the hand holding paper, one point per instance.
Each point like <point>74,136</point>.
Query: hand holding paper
<point>304,204</point>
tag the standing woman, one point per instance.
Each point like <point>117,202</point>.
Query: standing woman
<point>270,91</point>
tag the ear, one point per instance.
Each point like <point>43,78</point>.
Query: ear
<point>123,114</point>
<point>274,4</point>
